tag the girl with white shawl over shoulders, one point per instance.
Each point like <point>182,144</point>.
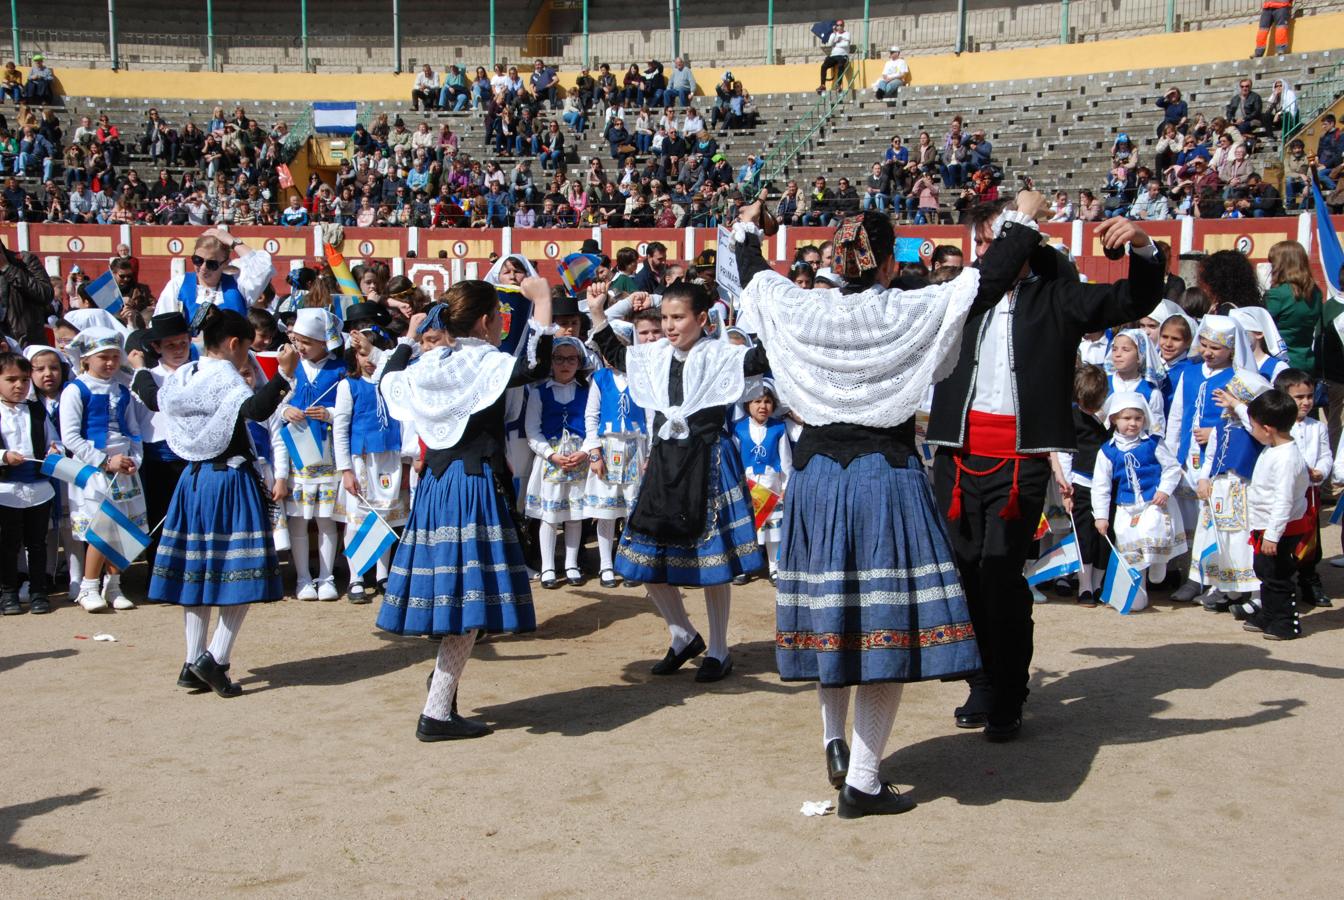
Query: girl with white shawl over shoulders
<point>868,596</point>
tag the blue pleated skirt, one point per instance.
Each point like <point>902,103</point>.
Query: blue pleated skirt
<point>216,548</point>
<point>727,548</point>
<point>868,589</point>
<point>459,565</point>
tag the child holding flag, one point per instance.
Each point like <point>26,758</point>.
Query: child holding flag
<point>1090,385</point>
<point>766,452</point>
<point>101,427</point>
<point>306,456</point>
<point>25,495</point>
<point>51,371</point>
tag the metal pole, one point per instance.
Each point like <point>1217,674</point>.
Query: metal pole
<point>210,33</point>
<point>303,31</point>
<point>1064,21</point>
<point>1171,15</point>
<point>586,58</point>
<point>864,54</point>
<point>112,33</point>
<point>396,36</point>
<point>492,34</point>
<point>14,29</point>
<point>770,32</point>
<point>961,26</point>
<point>672,25</point>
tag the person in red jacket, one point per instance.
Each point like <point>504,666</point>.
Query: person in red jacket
<point>1274,13</point>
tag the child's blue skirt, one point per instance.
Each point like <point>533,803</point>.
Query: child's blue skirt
<point>459,565</point>
<point>216,548</point>
<point>727,548</point>
<point>868,588</point>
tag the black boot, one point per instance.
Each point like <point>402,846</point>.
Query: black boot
<point>9,604</point>
<point>39,604</point>
<point>215,676</point>
<point>974,713</point>
<point>1311,590</point>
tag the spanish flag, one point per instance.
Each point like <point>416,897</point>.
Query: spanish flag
<point>763,502</point>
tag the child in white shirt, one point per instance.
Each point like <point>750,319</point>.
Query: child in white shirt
<point>1313,440</point>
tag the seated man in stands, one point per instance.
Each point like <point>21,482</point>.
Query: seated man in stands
<point>1246,110</point>
<point>1262,197</point>
<point>1151,204</point>
<point>820,211</point>
<point>39,90</point>
<point>1329,151</point>
<point>426,90</point>
<point>980,149</point>
<point>846,200</point>
<point>787,210</point>
<point>543,85</point>
<point>895,72</point>
<point>681,84</point>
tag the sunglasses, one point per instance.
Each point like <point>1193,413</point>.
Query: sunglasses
<point>565,360</point>
<point>210,264</point>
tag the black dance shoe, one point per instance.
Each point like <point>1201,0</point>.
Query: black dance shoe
<point>575,577</point>
<point>712,669</point>
<point>1087,599</point>
<point>974,713</point>
<point>1003,732</point>
<point>187,679</point>
<point>550,583</point>
<point>1216,602</point>
<point>855,804</point>
<point>742,579</point>
<point>39,605</point>
<point>837,762</point>
<point>608,579</point>
<point>1312,592</point>
<point>215,676</point>
<point>453,728</point>
<point>674,660</point>
<point>10,605</point>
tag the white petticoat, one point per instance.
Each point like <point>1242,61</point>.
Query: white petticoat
<point>1146,534</point>
<point>555,501</point>
<point>380,478</point>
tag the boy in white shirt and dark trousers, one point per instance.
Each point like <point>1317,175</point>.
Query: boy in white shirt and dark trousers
<point>1313,440</point>
<point>25,494</point>
<point>1279,521</point>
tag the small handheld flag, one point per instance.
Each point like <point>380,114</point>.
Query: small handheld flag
<point>1123,586</point>
<point>304,443</point>
<point>577,271</point>
<point>71,471</point>
<point>105,293</point>
<point>763,502</point>
<point>349,292</point>
<point>1042,528</point>
<point>1338,512</point>
<point>369,543</point>
<point>116,536</point>
<point>1062,560</point>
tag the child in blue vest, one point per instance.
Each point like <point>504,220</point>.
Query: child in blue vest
<point>1134,469</point>
<point>25,495</point>
<point>556,431</point>
<point>368,455</point>
<point>763,445</point>
<point>1267,346</point>
<point>617,445</point>
<point>101,426</point>
<point>51,372</point>
<point>1132,364</point>
<point>313,496</point>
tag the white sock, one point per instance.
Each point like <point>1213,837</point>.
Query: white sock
<point>88,584</point>
<point>834,709</point>
<point>672,607</point>
<point>1157,572</point>
<point>771,546</point>
<point>875,708</point>
<point>74,552</point>
<point>112,585</point>
<point>197,621</point>
<point>1085,578</point>
<point>226,632</point>
<point>383,566</point>
<point>454,651</point>
<point>546,538</point>
<point>718,599</point>
<point>573,540</point>
<point>606,541</point>
<point>326,548</point>
<point>298,550</point>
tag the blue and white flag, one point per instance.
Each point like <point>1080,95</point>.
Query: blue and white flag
<point>1327,245</point>
<point>71,471</point>
<point>104,291</point>
<point>369,542</point>
<point>1206,540</point>
<point>1123,585</point>
<point>1338,513</point>
<point>116,536</point>
<point>334,118</point>
<point>1062,560</point>
<point>304,444</point>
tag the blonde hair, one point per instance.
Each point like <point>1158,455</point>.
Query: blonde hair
<point>208,244</point>
<point>1290,266</point>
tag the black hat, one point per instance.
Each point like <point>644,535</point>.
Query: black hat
<point>564,306</point>
<point>166,326</point>
<point>361,314</point>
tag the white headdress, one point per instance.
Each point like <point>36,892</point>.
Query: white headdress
<point>493,275</point>
<point>96,340</point>
<point>1122,400</point>
<point>1258,319</point>
<point>1150,361</point>
<point>319,325</point>
<point>1227,332</point>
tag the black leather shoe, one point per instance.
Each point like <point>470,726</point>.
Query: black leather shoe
<point>1216,602</point>
<point>550,583</point>
<point>1003,732</point>
<point>10,605</point>
<point>674,661</point>
<point>742,579</point>
<point>215,676</point>
<point>837,762</point>
<point>972,720</point>
<point>574,577</point>
<point>1186,593</point>
<point>1087,599</point>
<point>1239,612</point>
<point>453,728</point>
<point>608,579</point>
<point>974,713</point>
<point>1312,592</point>
<point>39,605</point>
<point>855,804</point>
<point>712,669</point>
<point>633,584</point>
<point>187,679</point>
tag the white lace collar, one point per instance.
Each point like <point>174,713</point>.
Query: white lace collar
<point>445,387</point>
<point>711,376</point>
<point>200,403</point>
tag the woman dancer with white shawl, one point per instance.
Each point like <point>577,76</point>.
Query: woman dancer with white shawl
<point>868,595</point>
<point>217,547</point>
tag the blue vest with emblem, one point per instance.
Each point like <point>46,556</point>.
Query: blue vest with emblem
<point>372,429</point>
<point>1141,460</point>
<point>261,440</point>
<point>557,417</point>
<point>1268,366</point>
<point>97,414</point>
<point>228,286</point>
<point>617,411</point>
<point>1237,450</point>
<point>321,391</point>
<point>1144,388</point>
<point>760,458</point>
<point>1196,392</point>
<point>1172,380</point>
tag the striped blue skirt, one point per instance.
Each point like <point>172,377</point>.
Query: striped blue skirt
<point>727,549</point>
<point>459,565</point>
<point>868,589</point>
<point>216,548</point>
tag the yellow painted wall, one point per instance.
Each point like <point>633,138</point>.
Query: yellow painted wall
<point>1312,34</point>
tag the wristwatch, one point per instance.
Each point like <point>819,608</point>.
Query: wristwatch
<point>595,455</point>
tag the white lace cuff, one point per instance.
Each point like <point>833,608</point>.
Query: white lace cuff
<point>742,229</point>
<point>1017,218</point>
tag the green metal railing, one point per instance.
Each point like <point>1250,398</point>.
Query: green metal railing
<point>811,120</point>
<point>1313,98</point>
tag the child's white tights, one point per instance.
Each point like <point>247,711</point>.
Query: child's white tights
<point>326,549</point>
<point>546,536</point>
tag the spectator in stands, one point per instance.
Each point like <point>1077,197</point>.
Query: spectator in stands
<point>653,84</point>
<point>453,93</point>
<point>1175,111</point>
<point>1090,208</point>
<point>40,80</point>
<point>1245,110</point>
<point>923,200</point>
<point>786,211</point>
<point>723,95</point>
<point>586,85</point>
<point>1061,210</point>
<point>681,84</point>
<point>642,134</point>
<point>980,151</point>
<point>1151,204</point>
<point>1261,197</point>
<point>1296,172</point>
<point>1234,171</point>
<point>876,190</point>
<point>837,44</point>
<point>618,139</point>
<point>1169,144</point>
<point>1329,150</point>
<point>606,85</point>
<point>158,139</point>
<point>632,86</point>
<point>693,124</point>
<point>12,85</point>
<point>295,216</point>
<point>426,89</point>
<point>749,176</point>
<point>481,90</point>
<point>514,88</point>
<point>573,113</point>
<point>895,73</point>
<point>34,149</point>
<point>552,147</point>
<point>542,84</point>
<point>952,166</point>
<point>82,209</point>
<point>820,209</point>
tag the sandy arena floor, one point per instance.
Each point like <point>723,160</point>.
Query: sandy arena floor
<point>1168,753</point>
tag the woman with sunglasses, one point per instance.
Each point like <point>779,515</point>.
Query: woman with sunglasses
<point>206,283</point>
